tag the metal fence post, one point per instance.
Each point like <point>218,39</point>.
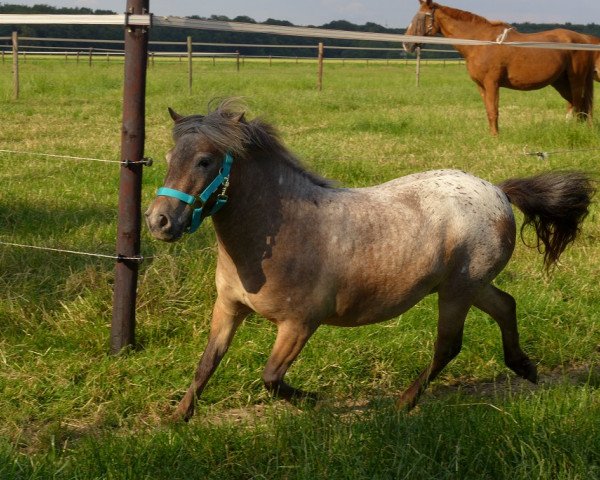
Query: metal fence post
<point>130,183</point>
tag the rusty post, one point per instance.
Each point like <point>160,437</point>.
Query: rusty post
<point>320,76</point>
<point>130,183</point>
<point>15,52</point>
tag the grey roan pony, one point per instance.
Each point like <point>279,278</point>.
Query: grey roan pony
<point>302,253</point>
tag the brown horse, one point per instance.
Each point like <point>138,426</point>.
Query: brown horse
<point>570,72</point>
<point>303,253</point>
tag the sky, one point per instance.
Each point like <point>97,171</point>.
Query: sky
<point>389,13</point>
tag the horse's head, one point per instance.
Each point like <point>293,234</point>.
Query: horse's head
<point>423,24</point>
<point>197,174</point>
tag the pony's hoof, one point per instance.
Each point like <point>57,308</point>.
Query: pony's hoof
<point>526,369</point>
<point>178,418</point>
<point>406,402</point>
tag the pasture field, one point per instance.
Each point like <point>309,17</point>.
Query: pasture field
<point>69,410</point>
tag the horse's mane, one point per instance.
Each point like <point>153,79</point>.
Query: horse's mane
<point>470,17</point>
<point>225,127</point>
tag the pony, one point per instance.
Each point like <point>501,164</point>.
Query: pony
<point>302,252</point>
<point>570,72</point>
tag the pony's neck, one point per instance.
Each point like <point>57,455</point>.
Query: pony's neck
<point>262,188</point>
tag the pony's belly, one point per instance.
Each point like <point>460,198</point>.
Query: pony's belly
<point>363,306</point>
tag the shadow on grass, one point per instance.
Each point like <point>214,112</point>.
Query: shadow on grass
<point>39,278</point>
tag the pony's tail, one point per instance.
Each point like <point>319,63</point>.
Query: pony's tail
<point>555,203</point>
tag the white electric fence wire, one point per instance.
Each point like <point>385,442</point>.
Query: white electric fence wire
<point>75,252</point>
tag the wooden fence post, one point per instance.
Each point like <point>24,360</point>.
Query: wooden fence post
<point>320,75</point>
<point>189,53</point>
<point>90,56</point>
<point>78,57</point>
<point>418,65</point>
<point>130,183</point>
<point>237,59</point>
<point>2,55</point>
<point>15,47</point>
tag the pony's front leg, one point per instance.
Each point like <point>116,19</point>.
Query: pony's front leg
<point>291,338</point>
<point>225,320</point>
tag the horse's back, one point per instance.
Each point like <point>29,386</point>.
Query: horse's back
<point>407,237</point>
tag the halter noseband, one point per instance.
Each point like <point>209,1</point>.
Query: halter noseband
<point>221,180</point>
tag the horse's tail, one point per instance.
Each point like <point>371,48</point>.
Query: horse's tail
<point>555,203</point>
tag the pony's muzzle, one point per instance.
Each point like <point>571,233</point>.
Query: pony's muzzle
<point>163,225</point>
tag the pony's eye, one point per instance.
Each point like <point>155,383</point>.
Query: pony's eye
<point>203,162</point>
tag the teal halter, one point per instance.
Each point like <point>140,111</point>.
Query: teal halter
<point>221,180</point>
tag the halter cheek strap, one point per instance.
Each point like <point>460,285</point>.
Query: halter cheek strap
<point>221,180</point>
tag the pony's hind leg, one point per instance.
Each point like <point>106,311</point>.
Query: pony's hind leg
<point>291,338</point>
<point>453,311</point>
<point>502,308</point>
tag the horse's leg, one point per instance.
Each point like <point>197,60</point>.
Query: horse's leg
<point>453,308</point>
<point>502,308</point>
<point>291,338</point>
<point>224,323</point>
<point>563,87</point>
<point>582,92</point>
<point>490,92</point>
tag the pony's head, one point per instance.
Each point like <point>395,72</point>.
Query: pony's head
<point>423,24</point>
<point>201,145</point>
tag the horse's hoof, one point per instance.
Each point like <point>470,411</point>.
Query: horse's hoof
<point>406,402</point>
<point>526,369</point>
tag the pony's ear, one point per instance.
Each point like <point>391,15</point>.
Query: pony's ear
<point>175,116</point>
<point>239,118</point>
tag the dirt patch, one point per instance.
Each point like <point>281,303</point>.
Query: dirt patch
<point>501,387</point>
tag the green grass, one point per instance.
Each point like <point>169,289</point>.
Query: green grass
<point>68,410</point>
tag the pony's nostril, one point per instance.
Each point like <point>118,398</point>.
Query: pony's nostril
<point>163,222</point>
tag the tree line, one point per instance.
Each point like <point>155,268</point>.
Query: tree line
<point>180,35</point>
